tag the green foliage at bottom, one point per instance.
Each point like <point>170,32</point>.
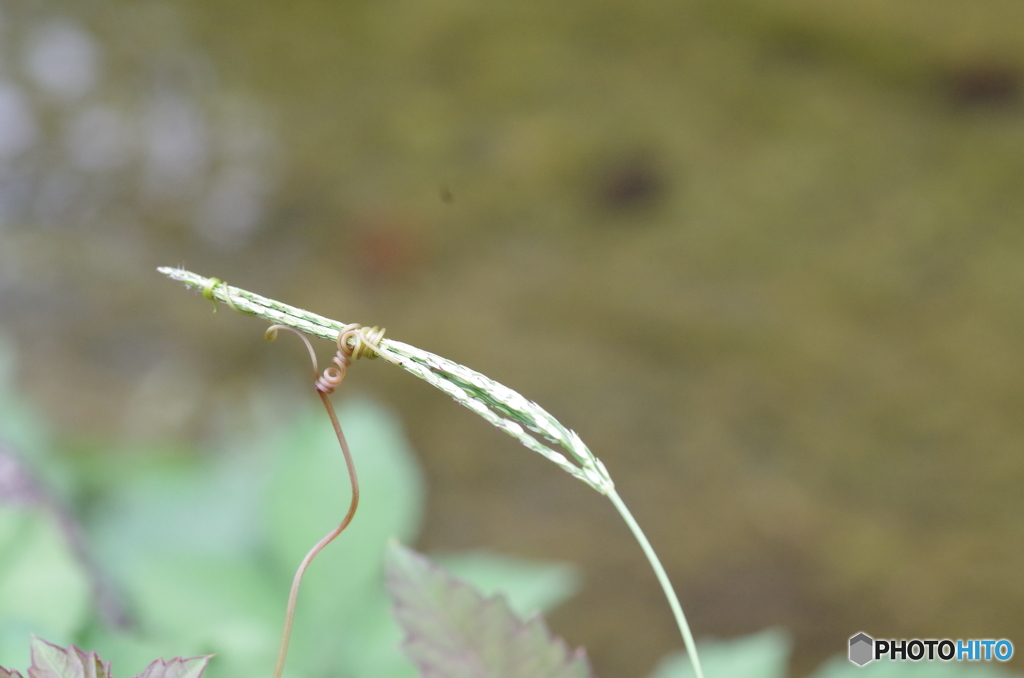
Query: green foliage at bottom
<point>762,655</point>
<point>202,554</point>
<point>54,661</point>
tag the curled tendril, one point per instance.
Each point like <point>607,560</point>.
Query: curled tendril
<point>271,334</point>
<point>208,291</point>
<point>353,342</point>
<point>211,284</point>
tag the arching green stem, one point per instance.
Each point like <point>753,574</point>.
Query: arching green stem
<point>666,585</point>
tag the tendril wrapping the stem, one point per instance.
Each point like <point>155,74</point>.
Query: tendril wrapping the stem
<point>354,342</point>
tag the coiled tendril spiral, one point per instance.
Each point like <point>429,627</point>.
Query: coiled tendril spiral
<point>354,341</point>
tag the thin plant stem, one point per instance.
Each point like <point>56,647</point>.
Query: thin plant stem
<point>666,584</point>
<point>293,596</point>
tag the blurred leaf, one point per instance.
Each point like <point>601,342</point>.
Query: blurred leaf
<point>840,667</point>
<point>218,543</point>
<point>184,540</point>
<point>53,661</point>
<point>192,543</point>
<point>204,604</point>
<point>4,673</point>
<point>369,643</point>
<point>176,668</point>
<point>309,493</point>
<point>529,586</point>
<point>453,631</point>
<point>43,588</point>
<point>214,508</point>
<point>762,655</point>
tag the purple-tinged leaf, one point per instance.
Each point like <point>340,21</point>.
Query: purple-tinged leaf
<point>176,668</point>
<point>53,661</point>
<point>451,631</point>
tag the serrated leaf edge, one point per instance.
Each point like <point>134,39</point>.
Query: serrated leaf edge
<point>521,627</point>
<point>164,665</point>
<point>89,664</point>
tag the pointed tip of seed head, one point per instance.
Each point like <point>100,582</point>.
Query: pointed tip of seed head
<point>173,272</point>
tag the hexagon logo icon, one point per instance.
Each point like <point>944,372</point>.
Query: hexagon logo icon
<point>861,649</point>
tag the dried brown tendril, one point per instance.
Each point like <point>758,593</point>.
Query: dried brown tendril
<point>354,341</point>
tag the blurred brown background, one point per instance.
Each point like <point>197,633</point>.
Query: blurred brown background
<point>765,256</point>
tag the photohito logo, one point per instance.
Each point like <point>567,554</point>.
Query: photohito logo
<point>865,649</point>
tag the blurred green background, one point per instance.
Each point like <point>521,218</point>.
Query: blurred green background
<point>765,257</point>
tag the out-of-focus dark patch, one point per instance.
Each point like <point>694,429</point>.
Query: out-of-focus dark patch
<point>630,183</point>
<point>983,84</point>
<point>446,195</point>
<point>388,248</point>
